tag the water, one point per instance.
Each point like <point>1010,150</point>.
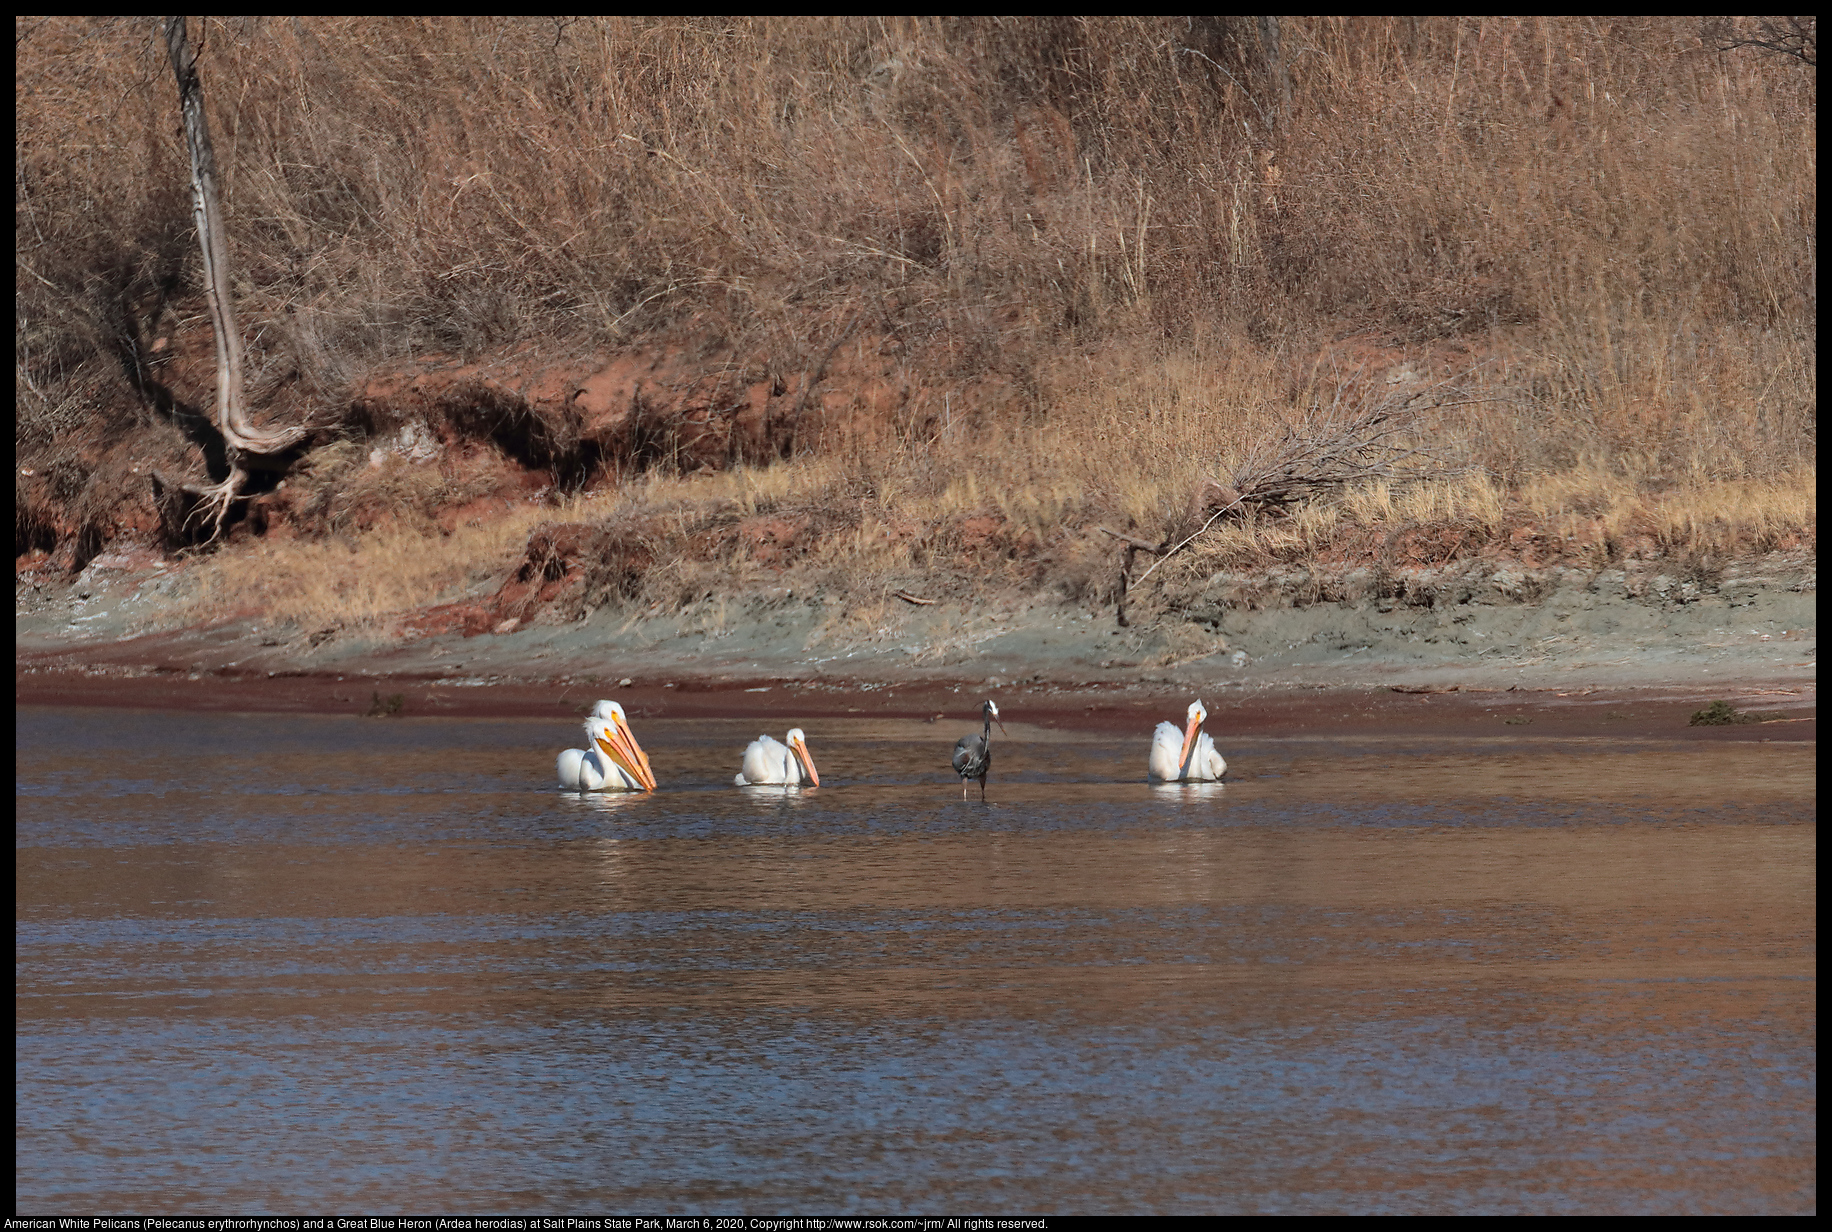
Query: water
<point>318,964</point>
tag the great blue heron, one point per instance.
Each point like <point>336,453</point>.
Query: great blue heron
<point>611,759</point>
<point>1186,756</point>
<point>767,762</point>
<point>973,755</point>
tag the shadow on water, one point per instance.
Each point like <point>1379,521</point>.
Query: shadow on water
<point>262,963</point>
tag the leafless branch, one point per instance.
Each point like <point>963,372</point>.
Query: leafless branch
<point>1364,433</point>
<point>1168,552</point>
<point>1782,36</point>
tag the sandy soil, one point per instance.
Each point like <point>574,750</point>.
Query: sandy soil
<point>1518,653</point>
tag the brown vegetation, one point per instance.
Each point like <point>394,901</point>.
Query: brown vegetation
<point>880,298</point>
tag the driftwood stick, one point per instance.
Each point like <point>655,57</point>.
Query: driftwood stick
<point>1128,548</point>
<point>1137,543</point>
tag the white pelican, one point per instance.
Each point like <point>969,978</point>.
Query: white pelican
<point>766,761</point>
<point>611,760</point>
<point>973,754</point>
<point>1186,756</point>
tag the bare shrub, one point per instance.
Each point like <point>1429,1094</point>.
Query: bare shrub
<point>1364,433</point>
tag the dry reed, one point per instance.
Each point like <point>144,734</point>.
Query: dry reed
<point>1606,226</point>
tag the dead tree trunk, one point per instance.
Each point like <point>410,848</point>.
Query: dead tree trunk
<point>1278,78</point>
<point>245,443</point>
<point>1129,547</point>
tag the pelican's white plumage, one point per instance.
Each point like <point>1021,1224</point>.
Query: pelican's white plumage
<point>611,760</point>
<point>767,761</point>
<point>1187,756</point>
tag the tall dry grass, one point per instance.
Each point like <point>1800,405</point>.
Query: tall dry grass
<point>361,579</point>
<point>1146,224</point>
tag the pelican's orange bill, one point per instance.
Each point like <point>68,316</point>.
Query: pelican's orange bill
<point>1189,738</point>
<point>807,759</point>
<point>623,749</point>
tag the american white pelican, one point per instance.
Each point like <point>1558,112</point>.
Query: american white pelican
<point>766,761</point>
<point>973,754</point>
<point>1186,756</point>
<point>611,760</point>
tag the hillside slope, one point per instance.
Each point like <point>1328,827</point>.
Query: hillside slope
<point>613,319</point>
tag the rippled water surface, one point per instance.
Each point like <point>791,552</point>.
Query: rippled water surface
<point>271,964</point>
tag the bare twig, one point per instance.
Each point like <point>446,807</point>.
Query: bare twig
<point>1191,51</point>
<point>1346,443</point>
<point>1167,553</point>
<point>1783,36</point>
<point>814,377</point>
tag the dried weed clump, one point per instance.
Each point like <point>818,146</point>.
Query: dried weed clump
<point>362,579</point>
<point>347,486</point>
<point>1181,242</point>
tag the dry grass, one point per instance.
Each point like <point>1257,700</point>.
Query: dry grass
<point>1606,228</point>
<point>363,580</point>
<point>1473,498</point>
<point>358,581</point>
<point>1694,513</point>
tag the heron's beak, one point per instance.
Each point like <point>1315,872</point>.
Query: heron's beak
<point>622,749</point>
<point>807,759</point>
<point>1189,739</point>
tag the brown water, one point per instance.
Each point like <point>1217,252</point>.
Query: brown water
<point>314,964</point>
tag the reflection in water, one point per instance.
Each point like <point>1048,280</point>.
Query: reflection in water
<point>315,964</point>
<point>601,801</point>
<point>771,793</point>
<point>1187,790</point>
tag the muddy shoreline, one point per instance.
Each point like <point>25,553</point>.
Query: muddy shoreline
<point>1287,708</point>
<point>1507,653</point>
<point>1630,714</point>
